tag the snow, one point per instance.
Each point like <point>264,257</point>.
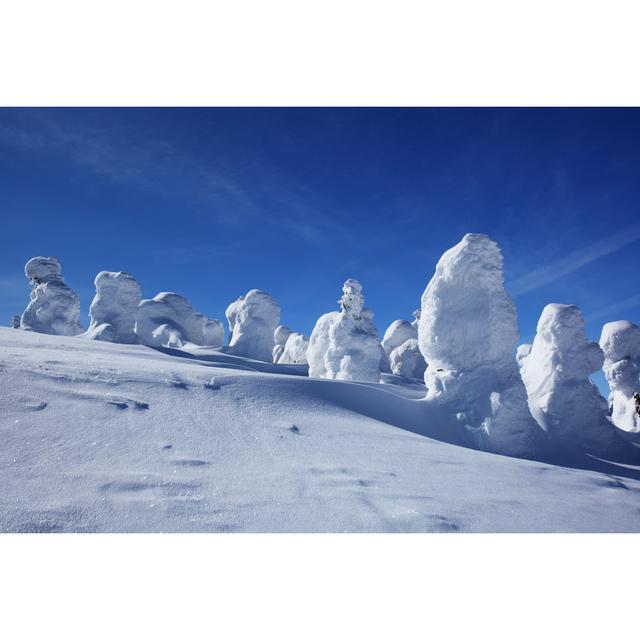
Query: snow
<point>253,319</point>
<point>468,334</point>
<point>53,307</point>
<point>111,437</point>
<point>620,342</point>
<point>398,332</point>
<point>344,345</point>
<point>114,308</point>
<point>295,349</point>
<point>280,336</point>
<point>406,360</point>
<point>562,399</point>
<point>522,352</point>
<point>169,320</point>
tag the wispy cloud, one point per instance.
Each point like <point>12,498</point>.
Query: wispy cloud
<point>159,166</point>
<point>575,260</point>
<point>611,311</point>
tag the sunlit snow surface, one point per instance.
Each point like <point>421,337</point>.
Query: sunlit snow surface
<point>107,437</point>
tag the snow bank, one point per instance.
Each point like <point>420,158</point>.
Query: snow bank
<point>468,334</point>
<point>344,345</point>
<point>398,331</point>
<point>406,360</point>
<point>168,320</point>
<point>53,307</point>
<point>556,372</point>
<point>280,336</point>
<point>295,350</point>
<point>114,308</point>
<point>253,319</point>
<point>620,342</point>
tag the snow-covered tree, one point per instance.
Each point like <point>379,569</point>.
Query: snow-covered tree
<point>53,307</point>
<point>406,360</point>
<point>397,332</point>
<point>468,334</point>
<point>114,308</point>
<point>253,319</point>
<point>295,349</point>
<point>345,345</point>
<point>562,399</point>
<point>620,342</point>
<point>522,352</point>
<point>280,336</point>
<point>15,322</point>
<point>169,320</point>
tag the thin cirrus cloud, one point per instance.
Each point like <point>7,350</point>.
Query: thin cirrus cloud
<point>159,167</point>
<point>610,311</point>
<point>575,260</point>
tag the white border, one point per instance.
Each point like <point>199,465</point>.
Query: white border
<point>319,586</point>
<point>333,52</point>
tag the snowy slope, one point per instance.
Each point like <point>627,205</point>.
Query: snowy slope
<point>108,437</point>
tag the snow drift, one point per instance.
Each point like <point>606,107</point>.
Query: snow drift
<point>556,372</point>
<point>53,307</point>
<point>620,342</point>
<point>114,308</point>
<point>344,345</point>
<point>253,319</point>
<point>169,320</point>
<point>468,334</point>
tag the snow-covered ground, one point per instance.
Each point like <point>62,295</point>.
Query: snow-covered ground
<point>99,436</point>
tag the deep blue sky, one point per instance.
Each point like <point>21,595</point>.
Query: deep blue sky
<point>212,202</point>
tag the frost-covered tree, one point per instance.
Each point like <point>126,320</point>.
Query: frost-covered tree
<point>295,349</point>
<point>280,336</point>
<point>15,322</point>
<point>562,399</point>
<point>169,320</point>
<point>522,352</point>
<point>468,334</point>
<point>253,319</point>
<point>406,360</point>
<point>397,332</point>
<point>114,308</point>
<point>620,342</point>
<point>53,307</point>
<point>345,345</point>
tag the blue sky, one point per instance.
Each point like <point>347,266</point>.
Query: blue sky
<point>212,202</point>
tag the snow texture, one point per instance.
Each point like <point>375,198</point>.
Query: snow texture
<point>280,336</point>
<point>522,352</point>
<point>468,335</point>
<point>53,307</point>
<point>103,437</point>
<point>295,349</point>
<point>562,399</point>
<point>114,308</point>
<point>620,342</point>
<point>168,320</point>
<point>253,319</point>
<point>416,318</point>
<point>344,345</point>
<point>406,360</point>
<point>398,331</point>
